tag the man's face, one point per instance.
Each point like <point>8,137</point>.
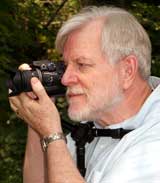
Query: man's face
<point>93,85</point>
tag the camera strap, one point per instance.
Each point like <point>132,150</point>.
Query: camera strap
<point>84,133</point>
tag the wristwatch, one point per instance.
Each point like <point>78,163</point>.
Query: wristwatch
<point>51,138</point>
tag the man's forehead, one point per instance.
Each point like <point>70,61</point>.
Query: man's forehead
<point>78,58</point>
<point>84,42</point>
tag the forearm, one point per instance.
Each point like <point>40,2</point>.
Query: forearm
<point>43,116</point>
<point>61,168</point>
<point>34,163</point>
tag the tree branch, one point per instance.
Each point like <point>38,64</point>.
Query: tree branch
<point>55,13</point>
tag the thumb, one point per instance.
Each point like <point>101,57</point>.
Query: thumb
<point>38,88</point>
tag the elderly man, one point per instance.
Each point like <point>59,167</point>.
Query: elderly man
<point>108,58</point>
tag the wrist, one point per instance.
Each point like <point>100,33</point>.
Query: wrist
<point>51,128</point>
<point>46,140</point>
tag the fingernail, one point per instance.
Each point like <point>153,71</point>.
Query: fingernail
<point>34,80</point>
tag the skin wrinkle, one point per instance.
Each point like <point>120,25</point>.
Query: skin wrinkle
<point>95,91</point>
<point>91,110</point>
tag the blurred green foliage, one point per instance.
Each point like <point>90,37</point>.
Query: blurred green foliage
<point>27,32</point>
<point>12,145</point>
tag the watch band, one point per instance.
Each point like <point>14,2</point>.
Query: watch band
<point>45,141</point>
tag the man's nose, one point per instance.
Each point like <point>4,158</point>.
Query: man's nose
<point>69,77</point>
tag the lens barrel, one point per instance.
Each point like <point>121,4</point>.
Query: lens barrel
<point>49,76</point>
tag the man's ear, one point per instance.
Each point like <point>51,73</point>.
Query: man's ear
<point>129,70</point>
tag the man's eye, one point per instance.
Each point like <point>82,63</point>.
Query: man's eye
<point>83,66</point>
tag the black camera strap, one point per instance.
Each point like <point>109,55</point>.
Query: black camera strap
<point>84,133</point>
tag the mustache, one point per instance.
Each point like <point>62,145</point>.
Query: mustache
<point>74,91</point>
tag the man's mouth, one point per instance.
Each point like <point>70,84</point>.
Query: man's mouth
<point>72,95</point>
<point>74,92</point>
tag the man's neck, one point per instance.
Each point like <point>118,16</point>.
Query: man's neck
<point>133,100</point>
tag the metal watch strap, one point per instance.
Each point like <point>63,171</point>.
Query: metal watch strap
<point>51,138</point>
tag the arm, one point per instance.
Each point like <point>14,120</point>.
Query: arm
<point>43,117</point>
<point>64,169</point>
<point>34,170</point>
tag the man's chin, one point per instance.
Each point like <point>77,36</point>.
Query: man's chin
<point>74,115</point>
<point>79,114</point>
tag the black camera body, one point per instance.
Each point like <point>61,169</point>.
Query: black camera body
<point>48,72</point>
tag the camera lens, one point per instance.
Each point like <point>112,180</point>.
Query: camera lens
<point>43,67</point>
<point>49,73</point>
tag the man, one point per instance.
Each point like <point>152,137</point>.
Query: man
<point>108,58</point>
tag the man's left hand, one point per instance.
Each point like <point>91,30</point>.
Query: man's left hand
<point>41,113</point>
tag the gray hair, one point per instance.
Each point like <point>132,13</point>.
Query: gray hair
<point>122,35</point>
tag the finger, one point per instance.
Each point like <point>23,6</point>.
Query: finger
<point>31,95</point>
<point>24,107</point>
<point>27,67</point>
<point>24,67</point>
<point>25,100</point>
<point>13,107</point>
<point>38,88</point>
<point>14,102</point>
<point>18,114</point>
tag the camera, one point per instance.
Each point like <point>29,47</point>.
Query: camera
<point>48,72</point>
